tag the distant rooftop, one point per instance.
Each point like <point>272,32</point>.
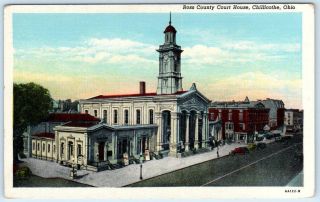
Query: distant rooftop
<point>44,135</point>
<point>67,117</point>
<point>133,95</point>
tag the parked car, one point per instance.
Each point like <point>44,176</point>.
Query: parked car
<point>286,138</point>
<point>259,137</point>
<point>261,145</point>
<point>251,146</point>
<point>277,137</point>
<point>240,150</point>
<point>268,136</point>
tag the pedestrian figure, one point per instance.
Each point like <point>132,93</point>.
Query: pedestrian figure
<point>217,152</point>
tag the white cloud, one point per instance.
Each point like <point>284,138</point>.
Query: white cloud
<point>96,51</point>
<point>257,85</point>
<point>262,47</point>
<point>233,53</point>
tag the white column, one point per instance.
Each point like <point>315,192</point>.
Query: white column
<point>85,149</point>
<point>177,140</point>
<point>134,143</point>
<point>196,133</point>
<point>203,129</point>
<point>174,133</point>
<point>114,146</point>
<point>187,132</point>
<point>57,145</point>
<point>158,117</point>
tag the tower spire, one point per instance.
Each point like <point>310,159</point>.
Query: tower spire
<point>170,19</point>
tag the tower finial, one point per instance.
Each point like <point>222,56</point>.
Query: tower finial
<point>170,19</point>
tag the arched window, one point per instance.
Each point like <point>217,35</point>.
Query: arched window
<point>43,147</point>
<point>86,111</point>
<point>126,116</point>
<point>95,113</point>
<point>105,115</point>
<point>151,116</point>
<point>138,116</point>
<point>115,116</point>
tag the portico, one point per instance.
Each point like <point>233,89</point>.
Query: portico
<point>185,128</point>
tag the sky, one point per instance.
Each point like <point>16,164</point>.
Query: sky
<point>228,55</point>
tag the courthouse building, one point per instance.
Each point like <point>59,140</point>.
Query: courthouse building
<point>169,121</point>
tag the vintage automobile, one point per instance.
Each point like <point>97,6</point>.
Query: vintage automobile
<point>261,145</point>
<point>252,146</point>
<point>240,150</point>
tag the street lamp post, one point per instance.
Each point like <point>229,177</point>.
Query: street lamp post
<point>107,150</point>
<point>141,166</point>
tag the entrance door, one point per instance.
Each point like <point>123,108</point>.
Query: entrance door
<point>101,151</point>
<point>144,144</point>
<point>70,150</point>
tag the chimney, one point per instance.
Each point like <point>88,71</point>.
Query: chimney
<point>142,87</point>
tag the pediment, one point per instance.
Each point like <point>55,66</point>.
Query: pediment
<point>193,102</point>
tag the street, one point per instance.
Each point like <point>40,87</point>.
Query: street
<point>276,165</point>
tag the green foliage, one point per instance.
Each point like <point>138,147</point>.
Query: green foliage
<point>23,172</point>
<point>32,103</point>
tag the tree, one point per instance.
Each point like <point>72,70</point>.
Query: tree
<point>32,103</point>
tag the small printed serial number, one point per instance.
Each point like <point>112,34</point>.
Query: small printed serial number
<point>292,191</point>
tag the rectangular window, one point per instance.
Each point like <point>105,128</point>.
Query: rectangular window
<point>48,148</point>
<point>105,115</point>
<point>115,116</point>
<point>241,126</point>
<point>230,116</point>
<point>138,116</point>
<point>62,148</point>
<point>151,116</point>
<point>241,115</point>
<point>33,146</point>
<point>126,116</point>
<point>95,113</point>
<point>43,147</point>
<point>79,149</point>
<point>212,116</point>
<point>38,146</point>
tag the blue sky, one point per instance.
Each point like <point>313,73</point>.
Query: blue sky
<point>228,55</point>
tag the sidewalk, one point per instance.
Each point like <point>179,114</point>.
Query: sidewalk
<point>297,181</point>
<point>129,174</point>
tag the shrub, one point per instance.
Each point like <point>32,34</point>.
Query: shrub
<point>23,172</point>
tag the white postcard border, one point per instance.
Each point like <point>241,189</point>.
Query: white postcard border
<point>170,193</point>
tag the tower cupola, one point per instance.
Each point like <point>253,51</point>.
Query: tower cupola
<point>169,79</point>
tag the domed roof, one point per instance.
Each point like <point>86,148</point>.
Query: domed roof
<point>170,28</point>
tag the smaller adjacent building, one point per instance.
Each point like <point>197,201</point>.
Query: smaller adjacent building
<point>276,113</point>
<point>43,132</point>
<point>239,121</point>
<point>293,119</point>
<point>43,146</point>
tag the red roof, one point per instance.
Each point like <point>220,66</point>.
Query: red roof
<point>170,28</point>
<point>81,124</point>
<point>64,117</point>
<point>132,95</point>
<point>44,135</point>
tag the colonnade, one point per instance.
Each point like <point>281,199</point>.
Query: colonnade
<point>188,130</point>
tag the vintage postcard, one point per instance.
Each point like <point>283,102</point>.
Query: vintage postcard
<point>173,101</point>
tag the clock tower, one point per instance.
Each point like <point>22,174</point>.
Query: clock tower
<point>169,79</point>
